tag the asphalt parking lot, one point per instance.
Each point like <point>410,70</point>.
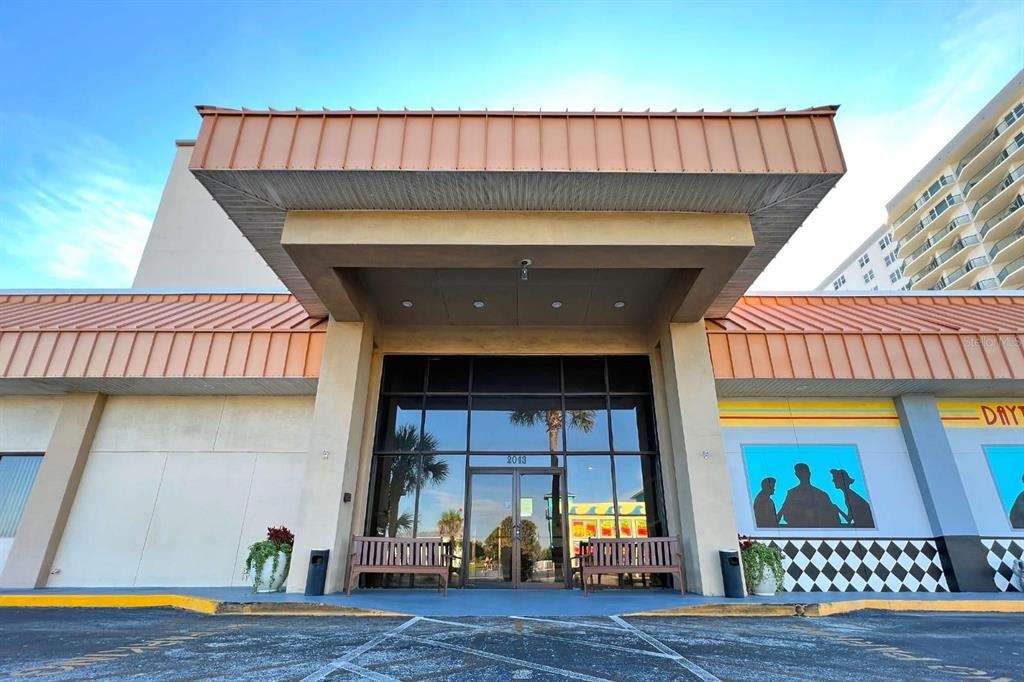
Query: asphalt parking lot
<point>156,644</point>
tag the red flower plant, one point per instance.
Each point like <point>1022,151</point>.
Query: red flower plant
<point>745,542</point>
<point>281,536</point>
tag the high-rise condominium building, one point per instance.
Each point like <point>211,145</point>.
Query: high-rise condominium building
<point>872,266</point>
<point>956,224</point>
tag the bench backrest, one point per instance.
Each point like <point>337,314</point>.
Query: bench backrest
<point>409,552</point>
<point>635,552</point>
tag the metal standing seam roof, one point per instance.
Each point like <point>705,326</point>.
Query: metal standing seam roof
<point>270,336</point>
<point>158,335</point>
<point>870,337</point>
<point>801,141</point>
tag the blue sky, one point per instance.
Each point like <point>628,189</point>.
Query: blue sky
<point>93,95</point>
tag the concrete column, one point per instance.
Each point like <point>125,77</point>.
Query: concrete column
<point>49,503</point>
<point>698,455</point>
<point>945,499</point>
<point>332,465</point>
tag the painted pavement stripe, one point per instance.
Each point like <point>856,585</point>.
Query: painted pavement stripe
<point>566,623</point>
<point>679,658</point>
<point>330,667</point>
<point>504,659</point>
<point>363,672</point>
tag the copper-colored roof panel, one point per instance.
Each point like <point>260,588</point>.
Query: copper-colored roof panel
<point>444,144</point>
<point>747,141</point>
<point>387,154</point>
<point>786,141</point>
<point>608,139</point>
<point>839,357</point>
<point>636,139</point>
<point>251,136</point>
<point>721,145</point>
<point>582,147</point>
<point>526,143</point>
<point>828,144</point>
<point>362,143</point>
<point>665,146</point>
<point>500,151</point>
<point>693,145</point>
<point>333,144</point>
<point>416,142</point>
<point>779,157</point>
<point>473,143</point>
<point>278,145</point>
<point>880,338</point>
<point>223,142</point>
<point>804,142</point>
<point>308,132</point>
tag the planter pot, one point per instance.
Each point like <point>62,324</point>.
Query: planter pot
<point>766,588</point>
<point>273,581</point>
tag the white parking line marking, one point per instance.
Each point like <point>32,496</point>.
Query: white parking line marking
<point>679,658</point>
<point>363,672</point>
<point>504,659</point>
<point>566,623</point>
<point>330,667</point>
<point>451,622</point>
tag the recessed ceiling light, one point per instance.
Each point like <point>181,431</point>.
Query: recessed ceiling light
<point>556,304</point>
<point>478,304</point>
<point>406,303</point>
<point>619,304</point>
<point>802,387</point>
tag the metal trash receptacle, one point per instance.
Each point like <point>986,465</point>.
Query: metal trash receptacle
<point>732,573</point>
<point>316,577</point>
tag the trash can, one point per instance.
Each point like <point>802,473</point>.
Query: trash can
<point>732,573</point>
<point>316,577</point>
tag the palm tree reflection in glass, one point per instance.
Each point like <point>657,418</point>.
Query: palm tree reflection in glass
<point>554,420</point>
<point>402,476</point>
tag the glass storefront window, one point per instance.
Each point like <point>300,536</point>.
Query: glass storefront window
<point>399,428</point>
<point>516,375</point>
<point>393,499</point>
<point>446,420</point>
<point>17,475</point>
<point>632,424</point>
<point>584,375</point>
<point>513,424</point>
<point>445,424</point>
<point>586,424</point>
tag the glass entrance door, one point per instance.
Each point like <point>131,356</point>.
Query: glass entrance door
<point>516,528</point>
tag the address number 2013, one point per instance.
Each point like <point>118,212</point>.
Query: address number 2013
<point>515,459</point>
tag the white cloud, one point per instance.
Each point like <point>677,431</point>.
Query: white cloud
<point>885,149</point>
<point>72,215</point>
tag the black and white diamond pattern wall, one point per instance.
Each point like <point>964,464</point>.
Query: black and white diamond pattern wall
<point>1002,552</point>
<point>861,565</point>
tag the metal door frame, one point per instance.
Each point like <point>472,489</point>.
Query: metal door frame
<point>516,473</point>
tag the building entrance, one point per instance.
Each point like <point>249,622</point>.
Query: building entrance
<point>515,528</point>
<point>516,462</point>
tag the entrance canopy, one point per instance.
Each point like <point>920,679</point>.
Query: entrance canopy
<point>698,202</point>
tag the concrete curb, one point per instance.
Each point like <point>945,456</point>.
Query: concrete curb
<point>215,607</point>
<point>210,607</point>
<point>840,607</point>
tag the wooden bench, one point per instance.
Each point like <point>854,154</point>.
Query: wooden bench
<point>399,555</point>
<point>636,555</point>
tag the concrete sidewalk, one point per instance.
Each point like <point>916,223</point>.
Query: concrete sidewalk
<point>481,602</point>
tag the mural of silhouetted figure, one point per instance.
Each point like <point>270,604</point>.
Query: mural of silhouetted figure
<point>858,511</point>
<point>765,514</point>
<point>808,506</point>
<point>1017,510</point>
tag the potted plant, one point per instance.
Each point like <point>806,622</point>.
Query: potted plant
<point>277,550</point>
<point>762,567</point>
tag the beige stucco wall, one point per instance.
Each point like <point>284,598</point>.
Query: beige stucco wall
<point>26,424</point>
<point>176,488</point>
<point>194,245</point>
